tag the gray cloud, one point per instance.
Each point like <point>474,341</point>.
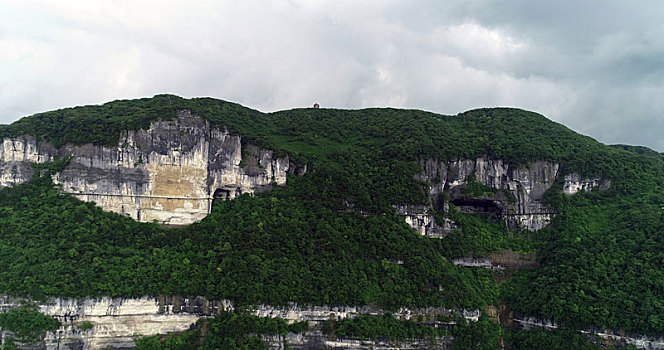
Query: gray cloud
<point>594,66</point>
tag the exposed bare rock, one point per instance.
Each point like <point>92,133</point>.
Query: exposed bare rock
<point>117,322</point>
<point>422,220</point>
<point>516,198</point>
<point>173,171</point>
<point>574,183</point>
<point>169,173</point>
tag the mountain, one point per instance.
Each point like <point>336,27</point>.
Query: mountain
<point>498,216</point>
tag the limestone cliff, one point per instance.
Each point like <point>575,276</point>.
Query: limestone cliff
<point>172,171</point>
<point>117,322</point>
<point>607,337</point>
<point>517,198</point>
<point>169,173</point>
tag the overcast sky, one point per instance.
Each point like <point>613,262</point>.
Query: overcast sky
<point>595,66</point>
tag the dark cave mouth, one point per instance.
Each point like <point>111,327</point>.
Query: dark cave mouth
<point>478,206</point>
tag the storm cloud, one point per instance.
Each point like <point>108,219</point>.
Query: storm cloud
<point>595,66</point>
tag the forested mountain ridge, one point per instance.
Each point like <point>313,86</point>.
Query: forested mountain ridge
<point>331,235</point>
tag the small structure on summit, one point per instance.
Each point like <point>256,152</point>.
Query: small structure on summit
<point>316,105</point>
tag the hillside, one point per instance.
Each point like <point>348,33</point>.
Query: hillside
<point>336,235</point>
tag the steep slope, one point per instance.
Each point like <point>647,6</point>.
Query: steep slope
<point>170,172</point>
<point>335,234</point>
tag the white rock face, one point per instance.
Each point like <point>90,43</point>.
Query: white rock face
<point>526,185</point>
<point>319,314</point>
<point>15,157</point>
<point>420,218</point>
<point>172,171</point>
<point>484,263</point>
<point>620,340</point>
<point>318,340</point>
<point>22,149</point>
<point>169,173</point>
<point>118,321</point>
<point>518,202</point>
<point>574,183</point>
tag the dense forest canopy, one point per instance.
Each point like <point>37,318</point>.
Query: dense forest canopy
<point>601,261</point>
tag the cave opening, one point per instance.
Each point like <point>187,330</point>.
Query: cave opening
<point>222,194</point>
<point>478,206</point>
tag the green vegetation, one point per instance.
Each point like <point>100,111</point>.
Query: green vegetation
<point>27,323</point>
<point>561,339</point>
<point>50,168</point>
<point>188,340</point>
<point>601,261</point>
<point>474,189</point>
<point>483,334</point>
<point>601,264</point>
<point>270,248</point>
<point>228,330</point>
<point>363,158</point>
<point>384,327</point>
<point>86,326</point>
<point>9,344</point>
<point>481,236</point>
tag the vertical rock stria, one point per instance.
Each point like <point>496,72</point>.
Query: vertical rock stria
<point>172,171</point>
<point>515,193</point>
<point>169,173</point>
<point>117,322</point>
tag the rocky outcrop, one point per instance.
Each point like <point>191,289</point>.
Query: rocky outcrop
<point>173,171</point>
<point>520,188</point>
<point>116,322</point>
<point>318,314</point>
<point>317,340</point>
<point>575,183</point>
<point>599,336</point>
<point>514,193</point>
<point>500,260</point>
<point>484,263</point>
<point>420,218</point>
<point>169,173</point>
<point>16,154</point>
